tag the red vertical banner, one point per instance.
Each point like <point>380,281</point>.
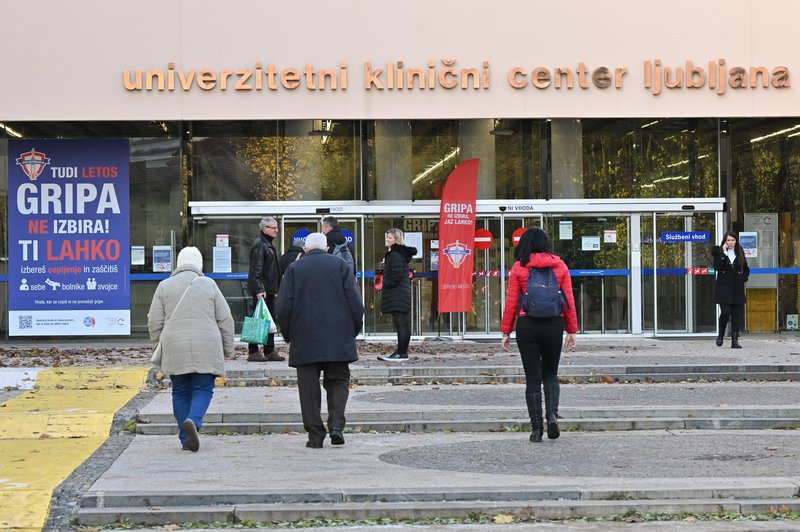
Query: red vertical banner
<point>457,238</point>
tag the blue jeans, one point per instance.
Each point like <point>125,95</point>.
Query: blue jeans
<point>191,396</point>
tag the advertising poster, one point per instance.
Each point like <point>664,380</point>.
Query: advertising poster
<point>69,227</point>
<point>457,238</point>
<point>749,243</point>
<point>162,259</point>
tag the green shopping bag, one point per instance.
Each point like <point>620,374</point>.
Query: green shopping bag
<point>256,328</point>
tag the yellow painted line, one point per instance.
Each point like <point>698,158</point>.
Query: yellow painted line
<point>46,433</point>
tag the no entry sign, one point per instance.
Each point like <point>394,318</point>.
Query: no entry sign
<point>516,236</point>
<point>483,239</point>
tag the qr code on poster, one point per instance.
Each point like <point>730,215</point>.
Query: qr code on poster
<point>26,322</point>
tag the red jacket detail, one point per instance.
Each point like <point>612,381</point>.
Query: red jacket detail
<point>518,277</point>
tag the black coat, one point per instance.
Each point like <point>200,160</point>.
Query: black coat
<point>289,257</point>
<point>729,287</point>
<point>319,310</point>
<point>264,274</point>
<point>335,238</point>
<point>396,293</point>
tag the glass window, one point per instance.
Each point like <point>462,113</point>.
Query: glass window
<point>765,168</point>
<point>283,160</point>
<point>650,158</point>
<point>411,160</point>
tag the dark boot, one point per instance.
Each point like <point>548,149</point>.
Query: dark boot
<point>534,401</point>
<point>735,340</point>
<point>552,394</point>
<point>721,328</point>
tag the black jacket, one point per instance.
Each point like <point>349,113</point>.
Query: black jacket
<point>729,287</point>
<point>264,274</point>
<point>291,255</point>
<point>335,237</point>
<point>319,310</point>
<point>396,293</point>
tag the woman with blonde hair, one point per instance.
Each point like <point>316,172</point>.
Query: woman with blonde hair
<point>396,298</point>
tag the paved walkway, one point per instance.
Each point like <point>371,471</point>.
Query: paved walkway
<point>667,459</point>
<point>47,432</point>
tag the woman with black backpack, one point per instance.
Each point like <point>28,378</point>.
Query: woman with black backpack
<point>540,300</point>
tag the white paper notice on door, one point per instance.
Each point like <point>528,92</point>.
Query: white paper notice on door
<point>565,230</point>
<point>222,259</point>
<point>590,243</point>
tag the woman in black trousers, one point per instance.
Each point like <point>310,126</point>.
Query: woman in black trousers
<point>732,273</point>
<point>540,338</point>
<point>396,298</point>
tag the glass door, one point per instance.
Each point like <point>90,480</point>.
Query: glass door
<point>491,269</point>
<point>677,273</point>
<point>229,267</point>
<point>421,233</point>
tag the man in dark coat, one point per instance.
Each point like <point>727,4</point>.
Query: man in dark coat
<point>320,313</point>
<point>263,280</point>
<point>333,234</point>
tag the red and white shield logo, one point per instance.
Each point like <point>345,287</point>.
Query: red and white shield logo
<point>33,163</point>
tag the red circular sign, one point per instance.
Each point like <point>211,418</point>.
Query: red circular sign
<point>516,236</point>
<point>483,239</point>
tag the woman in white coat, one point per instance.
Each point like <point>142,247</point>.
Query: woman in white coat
<point>192,320</point>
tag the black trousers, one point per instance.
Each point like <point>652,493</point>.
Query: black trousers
<point>539,341</point>
<point>732,312</point>
<point>269,347</point>
<point>335,380</point>
<point>402,324</point>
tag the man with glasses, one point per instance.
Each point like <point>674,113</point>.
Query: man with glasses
<point>262,281</point>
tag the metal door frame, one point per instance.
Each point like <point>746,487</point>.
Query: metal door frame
<point>350,209</point>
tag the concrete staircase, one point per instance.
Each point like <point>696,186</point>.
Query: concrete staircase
<point>264,401</point>
<point>514,374</point>
<point>555,502</point>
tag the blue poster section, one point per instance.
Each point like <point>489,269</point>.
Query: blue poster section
<point>69,227</point>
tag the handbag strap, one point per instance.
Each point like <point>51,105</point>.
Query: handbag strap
<point>164,328</point>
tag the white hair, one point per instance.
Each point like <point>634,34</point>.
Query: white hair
<point>316,241</point>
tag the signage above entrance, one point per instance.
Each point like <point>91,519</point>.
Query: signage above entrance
<point>676,237</point>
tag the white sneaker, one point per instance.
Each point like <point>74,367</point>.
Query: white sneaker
<point>394,357</point>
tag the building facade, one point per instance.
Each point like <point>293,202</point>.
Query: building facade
<point>634,136</point>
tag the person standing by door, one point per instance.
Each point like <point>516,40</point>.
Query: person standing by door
<point>732,273</point>
<point>396,291</point>
<point>263,281</point>
<point>539,339</point>
<point>333,233</point>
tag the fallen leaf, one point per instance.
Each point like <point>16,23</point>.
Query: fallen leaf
<point>607,379</point>
<point>503,519</point>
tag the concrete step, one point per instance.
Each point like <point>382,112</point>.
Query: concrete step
<point>451,413</point>
<point>556,502</point>
<point>413,374</point>
<point>488,425</point>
